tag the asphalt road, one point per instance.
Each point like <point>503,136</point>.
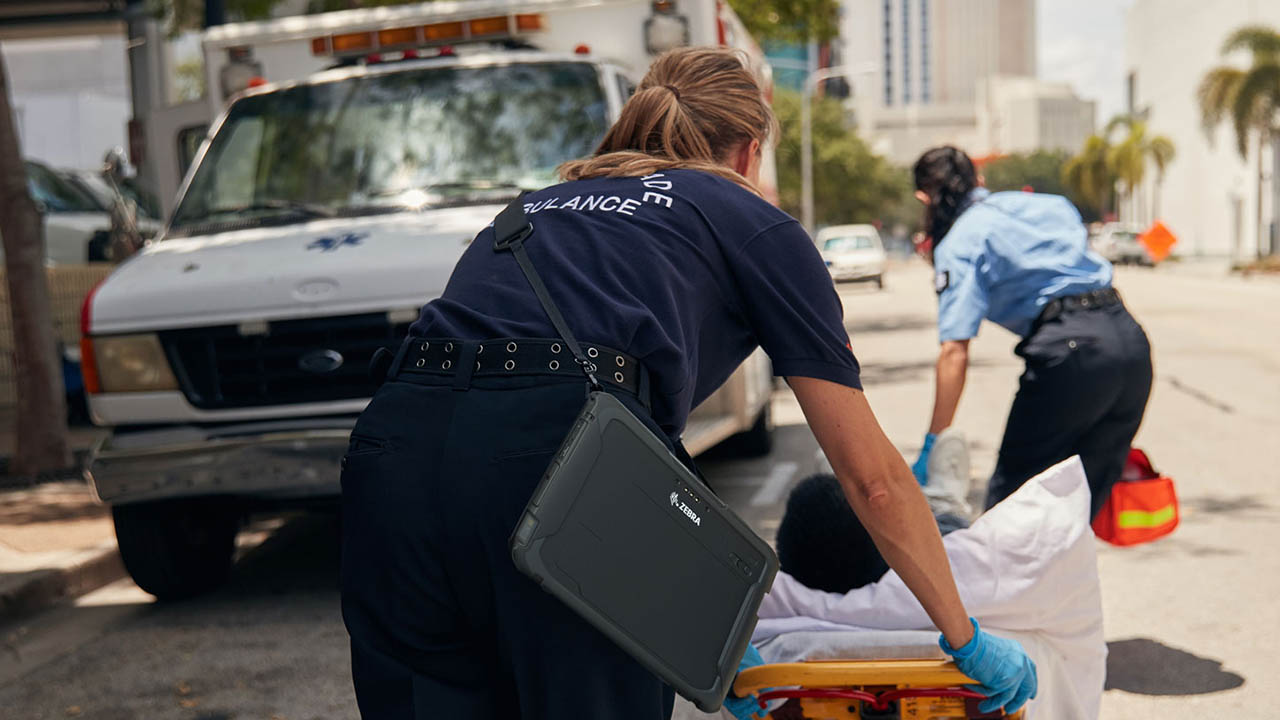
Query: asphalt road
<point>1190,620</point>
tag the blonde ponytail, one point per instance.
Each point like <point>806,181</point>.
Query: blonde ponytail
<point>694,107</point>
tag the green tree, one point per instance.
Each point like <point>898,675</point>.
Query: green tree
<point>850,183</point>
<point>315,6</point>
<point>789,21</point>
<point>1042,171</point>
<point>189,79</point>
<point>1249,98</point>
<point>1089,175</point>
<point>1130,156</point>
<point>181,15</point>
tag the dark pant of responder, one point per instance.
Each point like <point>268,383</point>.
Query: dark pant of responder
<point>1084,391</point>
<point>442,624</point>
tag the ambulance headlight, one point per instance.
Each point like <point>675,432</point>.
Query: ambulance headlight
<point>132,363</point>
<point>665,29</point>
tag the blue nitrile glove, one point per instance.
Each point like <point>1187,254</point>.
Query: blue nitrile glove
<point>1004,672</point>
<point>745,708</point>
<point>921,466</point>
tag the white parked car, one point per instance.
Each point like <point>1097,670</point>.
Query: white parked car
<point>853,252</point>
<point>1119,244</point>
<point>71,216</point>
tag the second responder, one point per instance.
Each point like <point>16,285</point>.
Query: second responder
<point>1022,260</point>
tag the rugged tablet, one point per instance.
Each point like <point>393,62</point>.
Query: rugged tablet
<point>631,540</point>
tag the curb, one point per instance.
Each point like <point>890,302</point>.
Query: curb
<point>83,573</point>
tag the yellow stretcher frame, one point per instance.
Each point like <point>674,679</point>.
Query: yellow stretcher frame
<point>859,674</point>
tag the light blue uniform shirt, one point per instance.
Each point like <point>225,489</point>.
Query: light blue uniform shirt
<point>1006,256</point>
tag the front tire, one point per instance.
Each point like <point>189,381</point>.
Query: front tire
<point>880,282</point>
<point>177,549</point>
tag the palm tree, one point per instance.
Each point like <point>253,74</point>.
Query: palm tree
<point>1089,174</point>
<point>1129,158</point>
<point>1249,98</point>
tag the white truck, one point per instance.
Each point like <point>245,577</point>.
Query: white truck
<point>230,355</point>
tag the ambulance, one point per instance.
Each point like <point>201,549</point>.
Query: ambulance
<point>357,155</point>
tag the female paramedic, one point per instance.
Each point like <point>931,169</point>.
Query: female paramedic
<point>1022,260</point>
<point>670,268</point>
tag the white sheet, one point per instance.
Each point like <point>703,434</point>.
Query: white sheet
<point>1027,569</point>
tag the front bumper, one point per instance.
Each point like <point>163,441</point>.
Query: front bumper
<point>855,272</point>
<point>279,460</point>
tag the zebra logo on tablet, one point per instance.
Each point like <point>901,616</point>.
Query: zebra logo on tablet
<point>688,512</point>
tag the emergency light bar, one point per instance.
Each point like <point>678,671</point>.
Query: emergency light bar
<point>496,27</point>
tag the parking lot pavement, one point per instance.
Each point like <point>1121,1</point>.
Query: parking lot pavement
<point>1189,619</point>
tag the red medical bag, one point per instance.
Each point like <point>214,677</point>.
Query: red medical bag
<point>1143,505</point>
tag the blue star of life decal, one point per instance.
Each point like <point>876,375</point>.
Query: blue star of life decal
<point>329,244</point>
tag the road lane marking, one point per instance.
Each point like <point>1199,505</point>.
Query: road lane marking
<point>776,484</point>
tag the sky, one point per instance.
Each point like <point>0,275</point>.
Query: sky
<point>1082,42</point>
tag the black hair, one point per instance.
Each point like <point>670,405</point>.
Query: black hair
<point>947,176</point>
<point>822,543</point>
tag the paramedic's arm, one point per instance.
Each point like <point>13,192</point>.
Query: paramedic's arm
<point>953,365</point>
<point>962,306</point>
<point>886,498</point>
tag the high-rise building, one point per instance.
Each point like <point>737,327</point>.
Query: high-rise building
<point>929,59</point>
<point>936,51</point>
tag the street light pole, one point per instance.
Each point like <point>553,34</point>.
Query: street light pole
<point>806,136</point>
<point>815,76</point>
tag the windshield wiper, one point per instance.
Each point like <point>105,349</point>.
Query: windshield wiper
<point>215,220</point>
<point>434,195</point>
<point>289,206</point>
<point>452,186</point>
<point>474,185</point>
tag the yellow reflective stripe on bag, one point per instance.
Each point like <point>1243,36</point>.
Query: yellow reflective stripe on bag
<point>1143,519</point>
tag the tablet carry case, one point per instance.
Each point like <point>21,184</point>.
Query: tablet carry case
<point>622,532</point>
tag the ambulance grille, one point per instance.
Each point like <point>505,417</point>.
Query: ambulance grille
<point>286,363</point>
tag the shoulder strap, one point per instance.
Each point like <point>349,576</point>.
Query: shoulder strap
<point>510,229</point>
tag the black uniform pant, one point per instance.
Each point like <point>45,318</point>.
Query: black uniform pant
<point>442,624</point>
<point>1084,391</point>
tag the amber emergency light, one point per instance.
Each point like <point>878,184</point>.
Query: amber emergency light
<point>494,27</point>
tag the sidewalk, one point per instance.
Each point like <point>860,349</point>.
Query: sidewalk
<point>56,542</point>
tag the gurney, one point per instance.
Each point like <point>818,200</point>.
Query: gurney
<point>840,675</point>
<point>1027,569</point>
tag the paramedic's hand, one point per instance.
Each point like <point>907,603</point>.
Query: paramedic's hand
<point>921,467</point>
<point>745,708</point>
<point>1004,672</point>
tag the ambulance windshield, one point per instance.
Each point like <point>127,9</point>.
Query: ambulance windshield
<point>415,138</point>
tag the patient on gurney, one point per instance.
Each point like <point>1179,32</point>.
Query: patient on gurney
<point>1026,569</point>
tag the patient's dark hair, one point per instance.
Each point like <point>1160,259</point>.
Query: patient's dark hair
<point>822,544</point>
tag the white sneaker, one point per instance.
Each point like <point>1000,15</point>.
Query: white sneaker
<point>949,481</point>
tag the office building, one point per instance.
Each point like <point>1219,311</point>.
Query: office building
<point>1209,195</point>
<point>1023,114</point>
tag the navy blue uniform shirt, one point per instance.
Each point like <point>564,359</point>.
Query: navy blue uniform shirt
<point>1006,256</point>
<point>684,270</point>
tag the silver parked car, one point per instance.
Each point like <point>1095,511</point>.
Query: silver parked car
<point>853,252</point>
